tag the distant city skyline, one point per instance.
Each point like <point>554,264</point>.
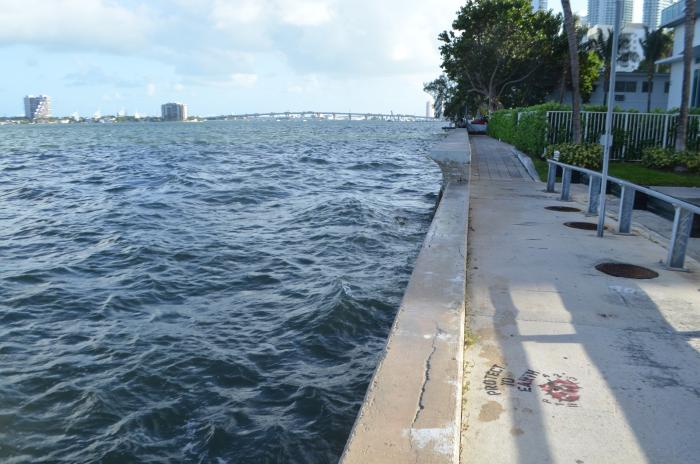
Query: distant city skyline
<point>120,57</point>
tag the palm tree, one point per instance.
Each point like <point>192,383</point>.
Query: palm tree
<point>573,58</point>
<point>688,33</point>
<point>656,45</point>
<point>602,45</point>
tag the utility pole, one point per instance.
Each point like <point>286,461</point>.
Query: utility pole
<point>607,142</point>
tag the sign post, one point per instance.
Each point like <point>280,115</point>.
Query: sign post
<point>607,137</point>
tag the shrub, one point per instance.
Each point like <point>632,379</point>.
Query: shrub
<point>690,159</point>
<point>660,158</point>
<point>528,134</point>
<point>586,155</point>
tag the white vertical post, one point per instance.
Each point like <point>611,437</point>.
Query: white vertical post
<point>608,119</point>
<point>624,146</point>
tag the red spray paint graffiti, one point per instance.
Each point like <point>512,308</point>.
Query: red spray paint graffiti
<point>562,390</point>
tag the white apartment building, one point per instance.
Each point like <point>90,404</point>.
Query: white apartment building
<point>603,12</point>
<point>37,107</point>
<point>173,112</point>
<point>673,17</point>
<point>539,5</point>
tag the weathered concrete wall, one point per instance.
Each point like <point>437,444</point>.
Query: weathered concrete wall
<point>412,409</point>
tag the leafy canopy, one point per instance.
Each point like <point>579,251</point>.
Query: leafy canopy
<point>502,52</point>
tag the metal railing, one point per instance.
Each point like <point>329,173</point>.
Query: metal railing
<point>682,219</point>
<point>632,132</point>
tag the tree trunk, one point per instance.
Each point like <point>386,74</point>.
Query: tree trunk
<point>689,32</point>
<point>573,58</point>
<point>606,83</point>
<point>650,79</point>
<point>562,84</point>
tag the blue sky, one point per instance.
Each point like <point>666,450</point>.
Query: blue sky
<point>222,56</point>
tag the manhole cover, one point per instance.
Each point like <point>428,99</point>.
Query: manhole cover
<point>564,209</point>
<point>582,225</point>
<point>629,271</point>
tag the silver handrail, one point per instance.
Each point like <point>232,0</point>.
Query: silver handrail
<point>682,220</point>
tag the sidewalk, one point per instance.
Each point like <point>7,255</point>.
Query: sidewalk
<point>565,364</point>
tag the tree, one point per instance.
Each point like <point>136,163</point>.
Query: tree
<point>689,32</point>
<point>602,43</point>
<point>573,57</point>
<point>656,45</point>
<point>501,51</point>
<point>590,65</point>
<point>441,89</point>
<point>589,62</point>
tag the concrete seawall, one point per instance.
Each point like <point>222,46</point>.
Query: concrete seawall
<point>412,409</point>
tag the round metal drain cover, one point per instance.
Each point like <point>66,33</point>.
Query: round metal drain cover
<point>563,209</point>
<point>629,271</point>
<point>582,225</point>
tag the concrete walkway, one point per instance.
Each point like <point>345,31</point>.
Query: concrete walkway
<point>564,364</point>
<point>499,164</point>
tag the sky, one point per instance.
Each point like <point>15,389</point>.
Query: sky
<point>223,56</point>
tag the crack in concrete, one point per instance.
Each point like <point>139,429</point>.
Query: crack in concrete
<point>426,377</point>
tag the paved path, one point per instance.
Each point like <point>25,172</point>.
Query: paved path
<point>564,364</point>
<point>492,159</point>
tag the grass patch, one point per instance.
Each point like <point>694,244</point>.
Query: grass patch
<point>541,166</point>
<point>638,174</point>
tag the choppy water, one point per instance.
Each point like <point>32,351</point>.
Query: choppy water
<point>215,292</point>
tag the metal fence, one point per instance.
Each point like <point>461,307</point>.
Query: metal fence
<point>632,132</point>
<point>682,219</point>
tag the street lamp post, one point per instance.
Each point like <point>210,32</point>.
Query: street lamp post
<point>607,142</point>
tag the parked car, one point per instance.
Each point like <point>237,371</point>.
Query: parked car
<point>477,125</point>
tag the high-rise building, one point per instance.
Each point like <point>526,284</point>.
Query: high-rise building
<point>602,12</point>
<point>652,12</point>
<point>173,112</point>
<point>539,5</point>
<point>429,109</point>
<point>37,107</point>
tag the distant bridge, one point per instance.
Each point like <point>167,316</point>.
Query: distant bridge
<point>331,115</point>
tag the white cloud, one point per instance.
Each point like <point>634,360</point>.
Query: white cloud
<point>304,12</point>
<point>151,89</point>
<point>244,80</point>
<point>93,24</point>
<point>225,12</point>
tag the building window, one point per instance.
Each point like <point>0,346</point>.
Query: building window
<point>667,86</point>
<point>619,98</point>
<point>695,91</point>
<point>646,85</point>
<point>626,86</point>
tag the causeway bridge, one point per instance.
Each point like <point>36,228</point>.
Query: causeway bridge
<point>331,115</point>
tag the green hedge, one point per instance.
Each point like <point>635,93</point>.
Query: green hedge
<point>586,155</point>
<point>529,134</point>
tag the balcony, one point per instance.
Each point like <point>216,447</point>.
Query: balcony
<point>673,15</point>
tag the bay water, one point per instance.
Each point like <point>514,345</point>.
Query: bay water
<point>201,292</point>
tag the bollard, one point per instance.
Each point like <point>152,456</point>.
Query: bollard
<point>566,185</point>
<point>593,194</point>
<point>682,225</point>
<point>551,176</point>
<point>624,220</point>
